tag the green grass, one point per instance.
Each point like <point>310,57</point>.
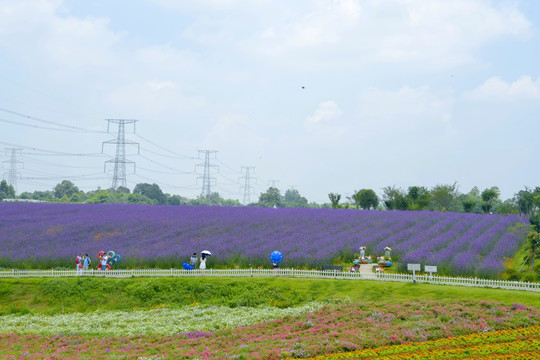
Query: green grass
<point>89,294</point>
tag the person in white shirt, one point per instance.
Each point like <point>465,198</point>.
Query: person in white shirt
<point>78,264</point>
<point>104,259</point>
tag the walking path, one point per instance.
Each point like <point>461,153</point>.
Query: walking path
<point>366,269</point>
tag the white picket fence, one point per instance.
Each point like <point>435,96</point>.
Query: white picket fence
<point>316,274</point>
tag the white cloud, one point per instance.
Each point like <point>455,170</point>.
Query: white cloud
<point>440,33</point>
<point>39,29</point>
<point>325,113</point>
<point>158,85</point>
<point>413,111</point>
<point>234,132</point>
<point>153,97</point>
<point>496,89</point>
<point>325,120</point>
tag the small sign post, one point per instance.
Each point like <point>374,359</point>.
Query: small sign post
<point>430,270</point>
<point>414,268</point>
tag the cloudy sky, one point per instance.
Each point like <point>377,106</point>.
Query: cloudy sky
<point>320,95</point>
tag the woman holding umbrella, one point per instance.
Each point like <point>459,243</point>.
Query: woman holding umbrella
<point>204,254</point>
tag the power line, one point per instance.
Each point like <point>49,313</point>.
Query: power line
<point>164,166</point>
<point>163,148</point>
<point>50,122</point>
<point>37,126</point>
<point>49,152</point>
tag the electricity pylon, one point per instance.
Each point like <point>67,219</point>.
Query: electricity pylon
<point>120,161</point>
<point>247,182</point>
<point>273,183</point>
<point>13,166</point>
<point>206,178</point>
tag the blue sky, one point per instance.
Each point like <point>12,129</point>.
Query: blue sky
<point>395,92</point>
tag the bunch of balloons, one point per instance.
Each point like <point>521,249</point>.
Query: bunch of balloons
<point>113,258</point>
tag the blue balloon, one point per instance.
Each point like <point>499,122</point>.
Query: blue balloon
<point>117,258</point>
<point>187,266</point>
<point>276,257</point>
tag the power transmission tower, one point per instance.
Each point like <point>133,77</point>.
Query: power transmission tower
<point>13,165</point>
<point>120,161</point>
<point>206,178</point>
<point>247,182</point>
<point>273,183</point>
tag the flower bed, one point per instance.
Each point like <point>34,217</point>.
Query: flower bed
<point>332,329</point>
<point>522,343</point>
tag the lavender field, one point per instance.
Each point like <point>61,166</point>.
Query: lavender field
<point>50,235</point>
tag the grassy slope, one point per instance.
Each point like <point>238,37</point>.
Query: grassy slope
<point>88,294</point>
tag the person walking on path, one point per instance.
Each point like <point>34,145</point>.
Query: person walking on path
<point>78,264</point>
<point>202,266</point>
<point>193,260</point>
<point>86,263</point>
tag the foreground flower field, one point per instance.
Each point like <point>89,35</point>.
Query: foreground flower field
<point>522,343</point>
<point>160,321</point>
<point>329,330</point>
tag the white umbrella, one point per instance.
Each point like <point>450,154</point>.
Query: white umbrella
<point>206,252</point>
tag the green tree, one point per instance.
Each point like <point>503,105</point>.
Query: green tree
<point>6,191</point>
<point>468,205</point>
<point>43,195</point>
<point>122,190</point>
<point>98,197</point>
<point>334,200</point>
<point>292,198</point>
<point>508,206</point>
<point>418,197</point>
<point>176,200</point>
<point>533,242</point>
<point>366,199</point>
<point>137,198</point>
<point>151,191</point>
<point>25,195</point>
<point>272,197</point>
<point>489,196</point>
<point>525,202</point>
<point>65,188</point>
<point>443,197</point>
<point>394,198</point>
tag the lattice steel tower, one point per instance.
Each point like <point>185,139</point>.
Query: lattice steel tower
<point>273,183</point>
<point>247,182</point>
<point>206,178</point>
<point>120,161</point>
<point>13,166</point>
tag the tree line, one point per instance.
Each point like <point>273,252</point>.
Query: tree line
<point>445,197</point>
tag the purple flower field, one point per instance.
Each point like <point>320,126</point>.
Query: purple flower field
<point>50,235</point>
